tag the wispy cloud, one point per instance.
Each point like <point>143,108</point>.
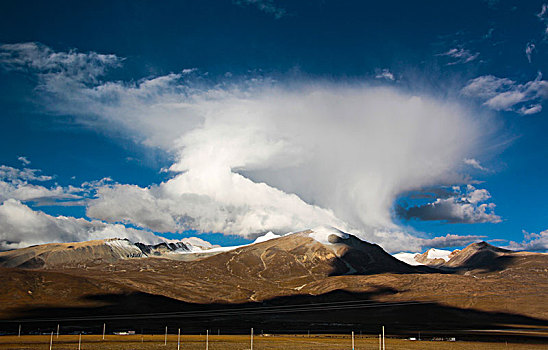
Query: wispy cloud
<point>23,160</point>
<point>508,95</point>
<point>266,6</point>
<point>384,74</point>
<point>474,163</point>
<point>465,206</point>
<point>543,11</point>
<point>451,240</point>
<point>82,67</point>
<point>460,56</point>
<point>543,16</point>
<point>529,50</point>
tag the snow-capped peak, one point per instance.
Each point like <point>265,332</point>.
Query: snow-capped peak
<point>434,253</point>
<point>322,233</point>
<point>123,247</point>
<point>266,237</point>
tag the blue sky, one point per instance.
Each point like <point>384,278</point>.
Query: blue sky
<point>127,90</point>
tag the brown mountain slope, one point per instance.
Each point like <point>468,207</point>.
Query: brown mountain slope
<point>23,289</point>
<point>260,271</point>
<point>485,256</point>
<point>78,254</point>
<point>296,265</point>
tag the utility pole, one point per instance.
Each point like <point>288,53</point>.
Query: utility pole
<point>80,341</point>
<point>58,330</point>
<point>165,339</point>
<point>207,339</point>
<point>179,339</point>
<point>380,342</point>
<point>104,329</point>
<point>251,338</point>
<point>383,343</point>
<point>51,341</point>
<point>352,340</point>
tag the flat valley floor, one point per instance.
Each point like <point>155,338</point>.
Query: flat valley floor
<point>240,342</point>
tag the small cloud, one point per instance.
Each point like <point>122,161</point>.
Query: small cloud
<point>474,163</point>
<point>23,160</point>
<point>460,56</point>
<point>492,3</point>
<point>489,33</point>
<point>503,94</point>
<point>451,240</point>
<point>13,174</point>
<point>465,206</point>
<point>543,16</point>
<point>266,6</point>
<point>384,74</point>
<point>189,70</point>
<point>527,110</point>
<point>529,51</point>
<point>17,184</point>
<point>543,11</point>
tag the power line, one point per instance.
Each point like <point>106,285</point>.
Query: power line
<point>340,305</point>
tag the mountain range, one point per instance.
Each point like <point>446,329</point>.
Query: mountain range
<point>481,285</point>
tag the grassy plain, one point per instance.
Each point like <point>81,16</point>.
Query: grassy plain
<point>240,342</point>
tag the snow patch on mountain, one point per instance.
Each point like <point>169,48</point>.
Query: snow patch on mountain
<point>267,237</point>
<point>123,247</point>
<point>322,233</point>
<point>197,244</point>
<point>408,258</point>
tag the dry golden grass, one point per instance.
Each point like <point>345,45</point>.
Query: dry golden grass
<point>240,342</point>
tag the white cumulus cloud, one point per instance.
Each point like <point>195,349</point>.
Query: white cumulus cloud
<point>465,206</point>
<point>18,184</point>
<point>20,226</point>
<point>532,242</point>
<point>253,155</point>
